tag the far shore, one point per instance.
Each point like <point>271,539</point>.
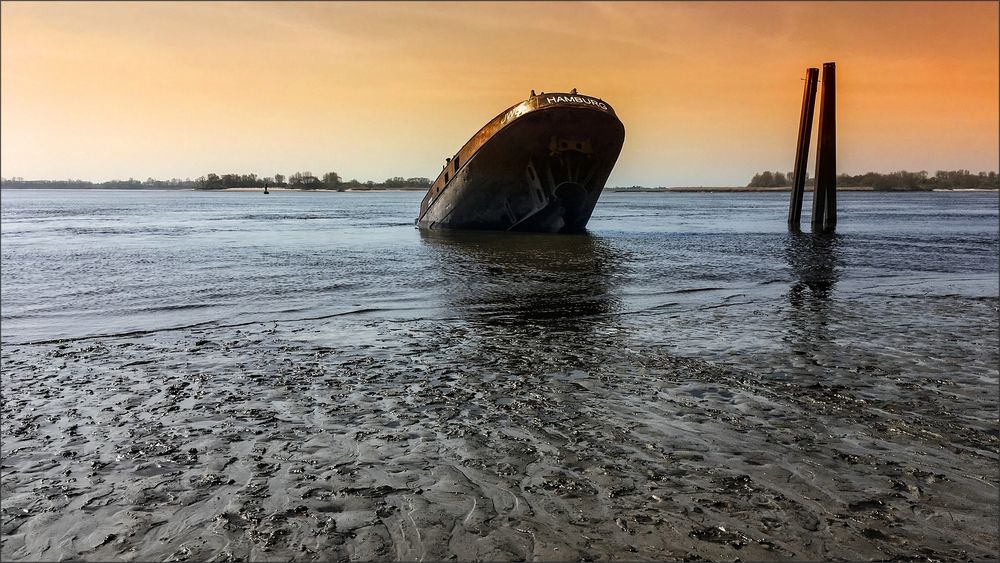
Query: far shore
<point>744,189</point>
<point>270,189</point>
<point>730,189</point>
<point>738,189</point>
<point>660,190</point>
<point>681,189</point>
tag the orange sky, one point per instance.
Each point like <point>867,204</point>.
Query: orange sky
<point>709,92</point>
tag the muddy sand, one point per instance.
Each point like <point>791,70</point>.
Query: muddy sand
<point>266,442</point>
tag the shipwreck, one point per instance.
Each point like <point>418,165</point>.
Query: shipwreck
<point>540,166</point>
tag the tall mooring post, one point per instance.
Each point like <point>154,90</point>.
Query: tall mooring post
<point>802,150</point>
<point>824,217</point>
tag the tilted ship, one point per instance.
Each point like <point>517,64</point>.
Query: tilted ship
<point>538,166</point>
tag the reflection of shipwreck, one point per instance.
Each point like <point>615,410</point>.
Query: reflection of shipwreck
<point>526,284</point>
<point>538,166</point>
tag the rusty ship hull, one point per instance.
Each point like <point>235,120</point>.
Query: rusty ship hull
<point>539,166</point>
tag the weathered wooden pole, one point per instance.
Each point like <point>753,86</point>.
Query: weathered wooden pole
<point>802,150</point>
<point>824,218</point>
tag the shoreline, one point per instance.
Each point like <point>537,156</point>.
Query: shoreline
<point>311,190</point>
<point>679,189</point>
<point>730,189</point>
<point>736,189</point>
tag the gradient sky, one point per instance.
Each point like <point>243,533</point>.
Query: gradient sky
<point>709,92</point>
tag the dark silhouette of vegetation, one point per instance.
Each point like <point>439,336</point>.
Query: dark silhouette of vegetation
<point>216,182</point>
<point>394,183</point>
<point>768,179</point>
<point>892,181</point>
<point>332,181</point>
<point>308,181</point>
<point>903,180</point>
<point>130,184</point>
<point>213,181</point>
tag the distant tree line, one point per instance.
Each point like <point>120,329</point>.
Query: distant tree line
<point>901,180</point>
<point>130,184</point>
<point>307,181</point>
<point>768,179</point>
<point>212,181</point>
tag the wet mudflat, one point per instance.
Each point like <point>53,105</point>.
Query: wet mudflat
<point>639,393</point>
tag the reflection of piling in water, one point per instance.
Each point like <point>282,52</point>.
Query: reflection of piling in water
<point>824,218</point>
<point>814,261</point>
<point>802,150</point>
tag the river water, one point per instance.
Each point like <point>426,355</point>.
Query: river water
<point>222,376</point>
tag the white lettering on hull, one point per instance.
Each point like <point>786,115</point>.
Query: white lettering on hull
<point>576,100</point>
<point>524,107</point>
<point>515,112</point>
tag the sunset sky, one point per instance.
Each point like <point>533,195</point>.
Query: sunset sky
<point>709,92</point>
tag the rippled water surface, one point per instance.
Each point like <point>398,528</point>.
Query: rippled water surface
<point>230,376</point>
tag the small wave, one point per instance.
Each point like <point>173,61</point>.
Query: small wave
<point>281,217</point>
<point>211,324</point>
<point>177,307</point>
<point>696,289</point>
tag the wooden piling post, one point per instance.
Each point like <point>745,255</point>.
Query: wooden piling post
<point>802,150</point>
<point>824,217</point>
